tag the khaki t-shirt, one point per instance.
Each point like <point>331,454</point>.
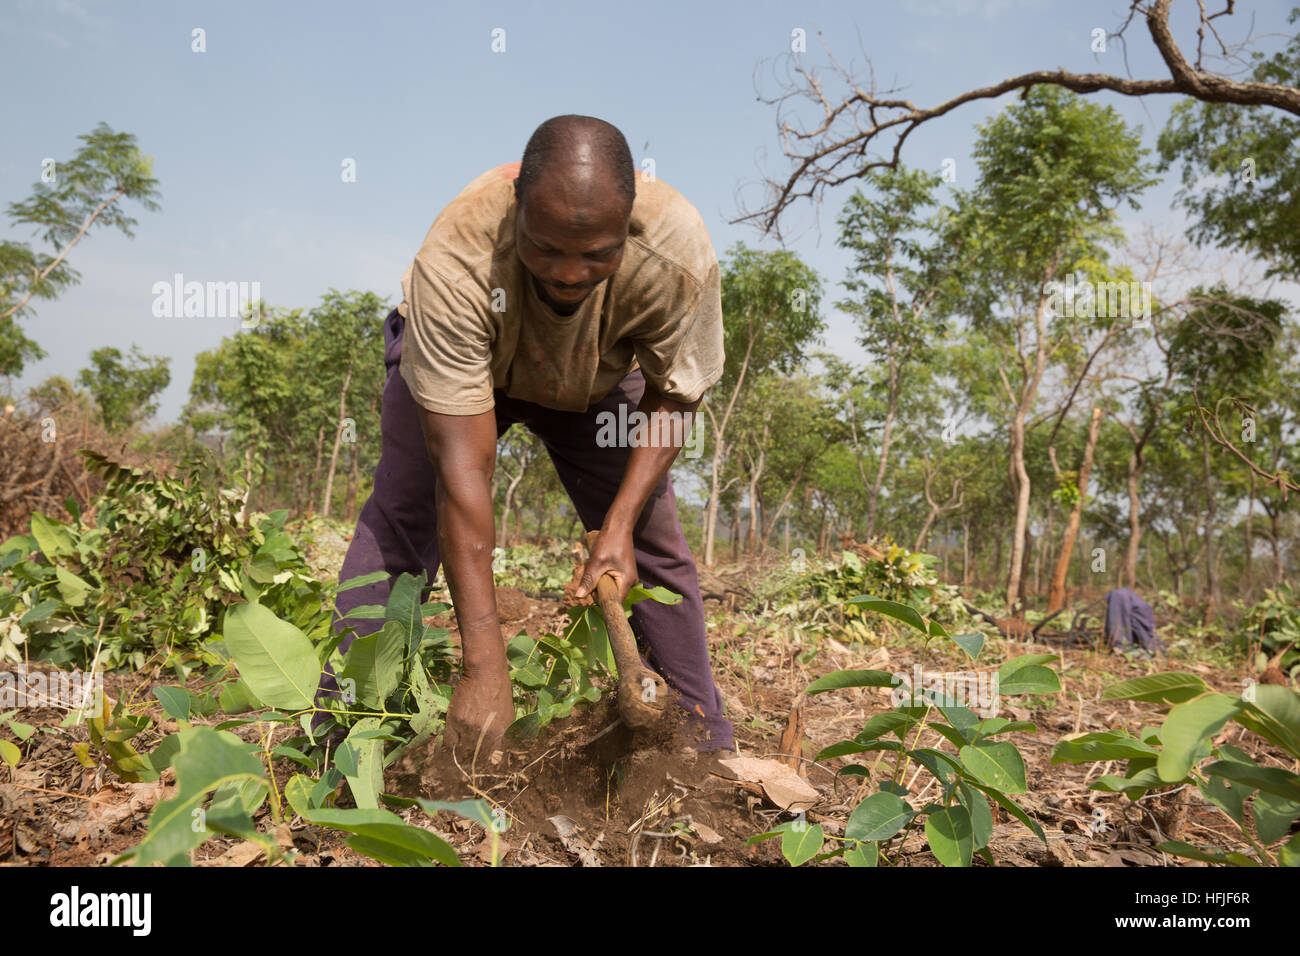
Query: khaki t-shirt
<point>475,322</point>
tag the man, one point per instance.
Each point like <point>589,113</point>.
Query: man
<point>547,292</point>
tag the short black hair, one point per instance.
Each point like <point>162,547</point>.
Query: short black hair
<point>554,141</point>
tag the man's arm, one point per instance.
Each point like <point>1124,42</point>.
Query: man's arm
<point>647,464</point>
<point>463,451</point>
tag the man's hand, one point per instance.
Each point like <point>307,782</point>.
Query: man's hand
<point>613,554</point>
<point>482,707</point>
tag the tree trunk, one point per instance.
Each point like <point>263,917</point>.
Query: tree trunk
<point>505,510</point>
<point>354,482</point>
<point>1020,530</point>
<point>338,441</point>
<point>965,555</point>
<point>315,472</point>
<point>1056,594</point>
<point>1134,519</point>
<point>1211,552</point>
<point>1250,538</point>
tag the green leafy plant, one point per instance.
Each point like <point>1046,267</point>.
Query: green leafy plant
<point>1176,753</point>
<point>153,574</point>
<point>898,575</point>
<point>9,751</point>
<point>958,822</point>
<point>393,693</point>
<point>1271,627</point>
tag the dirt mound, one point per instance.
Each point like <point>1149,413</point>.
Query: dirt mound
<point>591,791</point>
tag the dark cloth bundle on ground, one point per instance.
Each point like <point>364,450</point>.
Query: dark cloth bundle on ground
<point>1130,621</point>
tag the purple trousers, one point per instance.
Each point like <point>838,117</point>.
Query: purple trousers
<point>397,530</point>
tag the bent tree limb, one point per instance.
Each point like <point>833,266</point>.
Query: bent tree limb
<point>823,157</point>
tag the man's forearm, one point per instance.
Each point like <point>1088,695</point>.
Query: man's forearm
<point>649,462</point>
<point>466,533</point>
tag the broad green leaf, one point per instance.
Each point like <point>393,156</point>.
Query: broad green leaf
<point>943,766</point>
<point>951,838</point>
<point>298,793</point>
<point>1134,785</point>
<point>801,844</point>
<point>361,763</point>
<point>275,659</point>
<point>1186,850</point>
<point>1032,679</point>
<point>846,747</point>
<point>1273,816</point>
<point>996,763</point>
<point>1013,664</point>
<point>1274,714</point>
<point>901,612</point>
<point>384,836</point>
<point>40,612</point>
<point>963,720</point>
<point>236,698</point>
<point>1171,687</point>
<point>1101,745</point>
<point>991,726</point>
<point>21,731</point>
<point>1188,725</point>
<point>404,608</point>
<point>175,701</point>
<point>53,537</point>
<point>1289,855</point>
<point>428,704</point>
<point>477,811</point>
<point>641,593</point>
<point>862,854</point>
<point>206,760</point>
<point>366,612</point>
<point>20,543</point>
<point>10,753</point>
<point>971,643</point>
<point>374,662</point>
<point>895,721</point>
<point>836,680</point>
<point>362,580</point>
<point>878,817</point>
<point>1281,783</point>
<point>981,817</point>
<point>1228,796</point>
<point>165,751</point>
<point>72,588</point>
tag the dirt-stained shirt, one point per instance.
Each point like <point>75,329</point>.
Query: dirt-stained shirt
<point>475,322</point>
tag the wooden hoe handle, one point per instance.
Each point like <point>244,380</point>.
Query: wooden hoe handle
<point>642,693</point>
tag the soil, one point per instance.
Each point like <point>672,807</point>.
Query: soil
<point>648,799</point>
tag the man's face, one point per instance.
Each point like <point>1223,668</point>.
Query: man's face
<point>570,236</point>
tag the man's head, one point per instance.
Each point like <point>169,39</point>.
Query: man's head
<point>574,194</point>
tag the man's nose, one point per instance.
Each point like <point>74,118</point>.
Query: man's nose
<point>570,272</point>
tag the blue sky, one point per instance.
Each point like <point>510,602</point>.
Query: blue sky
<point>249,136</point>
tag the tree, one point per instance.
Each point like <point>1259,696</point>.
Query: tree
<point>897,277</point>
<point>839,145</point>
<point>1240,170</point>
<point>344,339</point>
<point>79,194</point>
<point>1051,173</point>
<point>770,311</point>
<point>125,392</point>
